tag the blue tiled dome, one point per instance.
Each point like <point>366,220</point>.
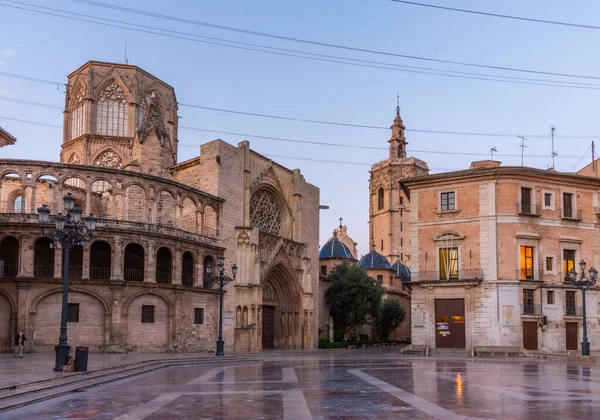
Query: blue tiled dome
<point>402,271</point>
<point>374,260</point>
<point>334,248</point>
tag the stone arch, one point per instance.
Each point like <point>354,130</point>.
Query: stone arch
<point>189,214</point>
<point>211,221</point>
<point>136,202</point>
<point>108,158</point>
<point>100,260</point>
<point>187,268</point>
<point>77,186</point>
<point>8,312</point>
<point>164,265</point>
<point>101,197</point>
<point>165,207</point>
<point>88,331</point>
<point>147,336</point>
<point>282,307</point>
<point>134,262</point>
<point>43,257</point>
<point>9,256</point>
<point>380,198</point>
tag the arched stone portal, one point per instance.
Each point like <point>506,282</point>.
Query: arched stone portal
<point>281,309</point>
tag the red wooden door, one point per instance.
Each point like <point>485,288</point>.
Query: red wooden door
<point>268,327</point>
<point>530,335</point>
<point>571,328</point>
<point>450,323</point>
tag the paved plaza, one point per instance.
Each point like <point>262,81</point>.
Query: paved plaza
<point>341,384</point>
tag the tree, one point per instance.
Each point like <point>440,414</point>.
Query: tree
<point>391,315</point>
<point>351,296</point>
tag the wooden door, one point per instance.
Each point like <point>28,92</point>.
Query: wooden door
<point>530,335</point>
<point>571,329</point>
<point>450,323</point>
<point>268,327</point>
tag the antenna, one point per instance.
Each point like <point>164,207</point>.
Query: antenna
<point>126,62</point>
<point>522,146</point>
<point>554,153</point>
<point>492,150</point>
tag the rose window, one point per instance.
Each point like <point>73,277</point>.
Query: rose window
<point>265,212</point>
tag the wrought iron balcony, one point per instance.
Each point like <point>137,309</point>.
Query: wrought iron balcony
<point>99,273</point>
<point>133,274</point>
<point>571,310</point>
<point>528,274</point>
<point>529,209</point>
<point>531,309</point>
<point>457,275</point>
<point>572,214</point>
<point>43,271</point>
<point>8,270</point>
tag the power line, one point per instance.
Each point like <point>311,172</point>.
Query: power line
<point>498,15</point>
<point>461,133</point>
<point>308,55</point>
<point>319,43</point>
<point>31,79</point>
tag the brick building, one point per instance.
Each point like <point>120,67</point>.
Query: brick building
<point>144,283</point>
<point>489,248</point>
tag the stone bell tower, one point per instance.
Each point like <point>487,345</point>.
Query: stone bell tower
<point>119,116</point>
<point>389,201</point>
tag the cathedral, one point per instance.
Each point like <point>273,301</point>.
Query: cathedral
<point>144,282</point>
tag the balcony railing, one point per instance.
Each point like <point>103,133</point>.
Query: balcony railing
<point>163,277</point>
<point>529,209</point>
<point>454,276</point>
<point>100,273</point>
<point>75,272</point>
<point>43,271</point>
<point>573,310</point>
<point>572,214</point>
<point>133,274</point>
<point>531,310</point>
<point>187,279</point>
<point>8,270</point>
<point>527,274</point>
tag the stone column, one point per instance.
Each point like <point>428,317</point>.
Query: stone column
<point>117,260</point>
<point>176,269</point>
<point>26,255</point>
<point>150,263</point>
<point>88,200</point>
<point>33,200</point>
<point>58,261</point>
<point>23,198</point>
<point>199,280</point>
<point>21,314</point>
<point>123,206</point>
<point>85,269</point>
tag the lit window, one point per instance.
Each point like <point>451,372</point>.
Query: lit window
<point>448,263</point>
<point>568,261</point>
<point>526,260</point>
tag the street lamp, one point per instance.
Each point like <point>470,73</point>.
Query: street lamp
<point>70,231</point>
<point>221,280</point>
<point>584,283</point>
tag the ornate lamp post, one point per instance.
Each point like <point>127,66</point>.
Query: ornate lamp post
<point>584,283</point>
<point>70,231</point>
<point>221,280</point>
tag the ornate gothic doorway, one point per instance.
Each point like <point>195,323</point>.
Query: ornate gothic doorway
<point>282,313</point>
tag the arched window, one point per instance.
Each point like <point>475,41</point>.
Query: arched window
<point>9,256</point>
<point>163,265</point>
<point>133,262</point>
<point>380,198</point>
<point>187,269</point>
<point>43,258</point>
<point>112,112</point>
<point>100,259</point>
<point>79,115</point>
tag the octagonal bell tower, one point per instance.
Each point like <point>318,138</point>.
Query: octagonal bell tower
<point>119,116</point>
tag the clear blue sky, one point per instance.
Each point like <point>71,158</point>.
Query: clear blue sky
<point>49,48</point>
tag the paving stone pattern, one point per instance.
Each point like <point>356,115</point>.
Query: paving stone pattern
<point>341,385</point>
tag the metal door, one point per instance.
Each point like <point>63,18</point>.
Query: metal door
<point>571,329</point>
<point>530,335</point>
<point>450,323</point>
<point>268,327</point>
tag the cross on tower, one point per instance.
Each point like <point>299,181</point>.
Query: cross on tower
<point>341,218</point>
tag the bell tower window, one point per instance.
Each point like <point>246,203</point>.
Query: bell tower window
<point>79,115</point>
<point>112,111</point>
<point>380,199</point>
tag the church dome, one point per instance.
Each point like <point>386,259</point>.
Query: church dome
<point>334,248</point>
<point>374,260</point>
<point>402,271</point>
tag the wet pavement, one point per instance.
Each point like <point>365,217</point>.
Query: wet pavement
<point>341,385</point>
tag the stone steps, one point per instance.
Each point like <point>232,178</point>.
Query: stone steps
<point>451,352</point>
<point>29,393</point>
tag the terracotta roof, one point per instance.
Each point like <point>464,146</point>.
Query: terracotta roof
<point>9,138</point>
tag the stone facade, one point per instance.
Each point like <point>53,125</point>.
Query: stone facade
<point>503,247</point>
<point>6,139</point>
<point>144,282</point>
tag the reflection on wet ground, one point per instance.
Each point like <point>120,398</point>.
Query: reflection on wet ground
<point>341,385</point>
